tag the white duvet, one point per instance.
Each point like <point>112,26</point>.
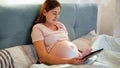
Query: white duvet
<point>108,58</point>
<point>66,66</point>
<point>111,54</point>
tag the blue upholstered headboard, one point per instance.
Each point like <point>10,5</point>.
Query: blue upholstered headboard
<point>79,19</point>
<point>16,22</point>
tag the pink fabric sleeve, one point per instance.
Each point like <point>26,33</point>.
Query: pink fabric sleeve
<point>63,26</point>
<point>36,34</point>
<point>65,29</point>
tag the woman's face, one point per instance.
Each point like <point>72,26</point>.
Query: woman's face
<point>52,16</point>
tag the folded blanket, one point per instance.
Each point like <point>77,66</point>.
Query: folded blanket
<point>6,60</point>
<point>17,57</point>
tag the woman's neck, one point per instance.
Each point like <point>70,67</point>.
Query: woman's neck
<point>51,26</point>
<point>48,24</point>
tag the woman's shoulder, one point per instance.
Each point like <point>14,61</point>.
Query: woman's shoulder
<point>60,23</point>
<point>37,25</point>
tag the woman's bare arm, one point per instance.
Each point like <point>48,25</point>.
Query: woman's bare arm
<point>47,58</point>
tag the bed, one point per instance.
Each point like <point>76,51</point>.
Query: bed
<point>16,48</point>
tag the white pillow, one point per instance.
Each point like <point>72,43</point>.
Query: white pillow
<point>85,41</point>
<point>19,56</point>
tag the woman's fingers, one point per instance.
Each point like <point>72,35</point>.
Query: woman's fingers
<point>78,60</point>
<point>86,52</point>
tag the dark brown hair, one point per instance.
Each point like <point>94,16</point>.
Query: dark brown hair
<point>47,5</point>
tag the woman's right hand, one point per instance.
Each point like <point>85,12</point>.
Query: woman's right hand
<point>76,61</point>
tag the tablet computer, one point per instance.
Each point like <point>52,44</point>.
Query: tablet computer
<point>92,54</point>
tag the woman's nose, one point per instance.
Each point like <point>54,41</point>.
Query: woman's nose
<point>57,16</point>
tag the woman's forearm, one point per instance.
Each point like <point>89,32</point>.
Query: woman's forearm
<point>49,59</point>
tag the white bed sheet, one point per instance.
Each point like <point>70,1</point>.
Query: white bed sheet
<point>111,54</point>
<point>67,66</point>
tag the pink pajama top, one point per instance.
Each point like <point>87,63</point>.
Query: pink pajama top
<point>56,42</point>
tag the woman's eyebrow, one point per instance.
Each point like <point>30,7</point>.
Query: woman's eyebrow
<point>55,11</point>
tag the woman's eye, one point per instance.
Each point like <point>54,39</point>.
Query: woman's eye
<point>54,13</point>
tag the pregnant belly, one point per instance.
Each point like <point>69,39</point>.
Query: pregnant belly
<point>64,49</point>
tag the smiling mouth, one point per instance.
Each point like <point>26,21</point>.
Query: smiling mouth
<point>55,20</point>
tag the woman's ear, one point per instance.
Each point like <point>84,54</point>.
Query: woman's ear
<point>44,12</point>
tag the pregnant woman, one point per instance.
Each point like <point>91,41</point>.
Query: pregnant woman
<point>50,37</point>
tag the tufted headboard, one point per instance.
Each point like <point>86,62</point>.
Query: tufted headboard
<point>79,19</point>
<point>16,22</point>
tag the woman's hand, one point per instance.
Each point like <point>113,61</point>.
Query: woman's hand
<point>86,52</point>
<point>76,61</point>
